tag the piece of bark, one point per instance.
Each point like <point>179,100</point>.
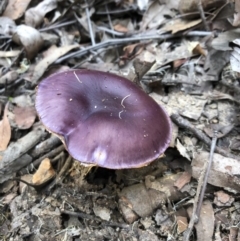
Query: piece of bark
<point>45,146</point>
<point>141,200</point>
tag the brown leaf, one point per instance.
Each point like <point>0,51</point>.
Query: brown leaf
<point>182,224</point>
<point>29,38</point>
<point>132,50</point>
<point>182,180</point>
<point>44,173</point>
<point>16,8</point>
<point>22,113</point>
<point>24,117</point>
<point>5,130</point>
<point>120,28</point>
<point>223,199</point>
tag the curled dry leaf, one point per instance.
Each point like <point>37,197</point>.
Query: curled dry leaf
<point>16,8</point>
<point>44,173</point>
<point>53,54</point>
<point>34,16</point>
<point>7,26</point>
<point>29,38</point>
<point>5,130</point>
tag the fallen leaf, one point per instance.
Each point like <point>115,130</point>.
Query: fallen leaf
<point>16,8</point>
<point>29,38</point>
<point>223,199</point>
<point>120,28</point>
<point>155,15</point>
<point>183,180</point>
<point>7,26</point>
<point>34,16</point>
<point>24,117</point>
<point>22,113</point>
<point>55,53</point>
<point>102,212</point>
<point>182,224</point>
<point>44,173</point>
<point>5,130</point>
<point>179,24</point>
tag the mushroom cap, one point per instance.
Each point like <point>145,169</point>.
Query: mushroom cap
<point>103,119</point>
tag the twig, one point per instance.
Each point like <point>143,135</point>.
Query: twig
<point>202,183</point>
<point>202,14</point>
<point>37,162</point>
<point>111,26</point>
<point>16,82</point>
<point>13,62</point>
<point>60,176</point>
<point>206,172</point>
<point>89,24</point>
<point>10,162</point>
<point>57,26</point>
<point>109,42</point>
<point>184,123</point>
<point>45,146</point>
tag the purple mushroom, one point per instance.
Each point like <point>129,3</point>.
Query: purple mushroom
<point>103,119</point>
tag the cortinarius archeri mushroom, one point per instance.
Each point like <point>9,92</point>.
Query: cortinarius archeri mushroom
<point>103,119</point>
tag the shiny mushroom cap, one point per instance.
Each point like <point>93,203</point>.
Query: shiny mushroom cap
<point>103,119</point>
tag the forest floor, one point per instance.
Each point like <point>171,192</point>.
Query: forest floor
<point>186,56</point>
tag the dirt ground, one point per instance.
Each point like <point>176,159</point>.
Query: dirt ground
<point>185,55</point>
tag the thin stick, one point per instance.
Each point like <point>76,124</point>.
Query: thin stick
<point>109,42</point>
<point>213,146</point>
<point>90,25</point>
<point>202,183</point>
<point>59,25</point>
<point>202,14</point>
